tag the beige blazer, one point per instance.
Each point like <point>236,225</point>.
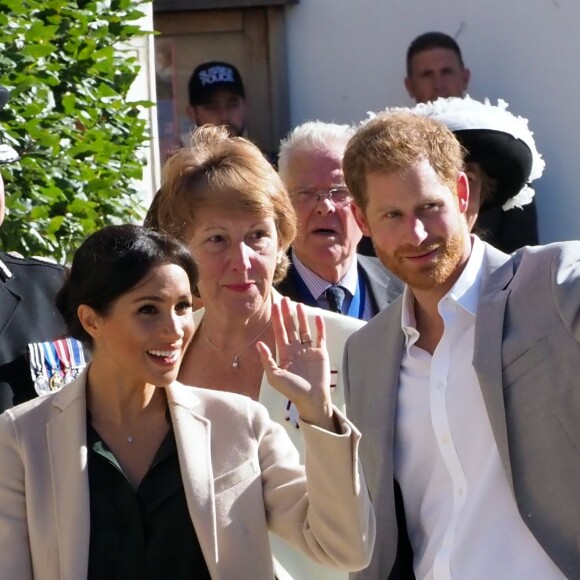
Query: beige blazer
<point>289,562</point>
<point>241,476</point>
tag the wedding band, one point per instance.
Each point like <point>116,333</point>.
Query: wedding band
<point>304,338</point>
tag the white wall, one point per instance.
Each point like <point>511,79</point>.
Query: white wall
<point>143,89</point>
<point>347,57</point>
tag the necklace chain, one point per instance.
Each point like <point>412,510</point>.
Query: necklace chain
<point>236,359</point>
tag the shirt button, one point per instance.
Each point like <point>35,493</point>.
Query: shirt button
<point>440,386</point>
<point>445,439</point>
<point>460,492</point>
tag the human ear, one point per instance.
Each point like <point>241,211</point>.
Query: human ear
<point>190,112</point>
<point>361,220</point>
<point>409,87</point>
<point>466,77</point>
<point>89,320</point>
<point>462,189</point>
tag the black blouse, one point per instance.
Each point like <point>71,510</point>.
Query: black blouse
<point>143,534</point>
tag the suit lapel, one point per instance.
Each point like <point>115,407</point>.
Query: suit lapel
<point>487,357</point>
<point>372,404</point>
<point>381,285</point>
<point>8,303</point>
<point>67,449</point>
<point>373,392</point>
<point>193,438</point>
<point>389,371</point>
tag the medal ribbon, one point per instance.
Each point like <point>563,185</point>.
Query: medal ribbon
<point>77,353</point>
<point>37,367</point>
<point>62,350</point>
<point>51,357</point>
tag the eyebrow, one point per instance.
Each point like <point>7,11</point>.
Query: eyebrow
<point>148,298</point>
<point>158,298</point>
<point>260,222</point>
<point>331,186</point>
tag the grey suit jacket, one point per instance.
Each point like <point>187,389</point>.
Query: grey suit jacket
<point>527,359</point>
<point>383,287</point>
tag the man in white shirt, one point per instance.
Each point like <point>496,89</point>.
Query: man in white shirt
<point>466,388</point>
<point>326,270</point>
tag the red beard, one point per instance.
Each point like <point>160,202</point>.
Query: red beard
<point>448,255</point>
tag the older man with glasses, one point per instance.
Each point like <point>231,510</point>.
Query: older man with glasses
<point>326,270</point>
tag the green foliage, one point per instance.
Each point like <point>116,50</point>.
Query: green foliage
<point>69,118</point>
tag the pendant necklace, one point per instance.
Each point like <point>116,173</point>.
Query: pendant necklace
<point>236,361</point>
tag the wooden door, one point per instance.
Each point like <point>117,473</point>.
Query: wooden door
<point>252,39</point>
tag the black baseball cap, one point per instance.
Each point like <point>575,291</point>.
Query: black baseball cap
<point>7,154</point>
<point>214,76</point>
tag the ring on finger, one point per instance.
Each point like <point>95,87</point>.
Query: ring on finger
<point>305,338</point>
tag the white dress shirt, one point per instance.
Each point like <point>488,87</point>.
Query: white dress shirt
<point>462,518</point>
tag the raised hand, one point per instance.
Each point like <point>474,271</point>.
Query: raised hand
<point>303,375</point>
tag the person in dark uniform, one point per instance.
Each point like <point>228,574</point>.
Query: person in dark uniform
<point>29,320</point>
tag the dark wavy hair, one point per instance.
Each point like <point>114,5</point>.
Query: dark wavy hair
<point>111,262</point>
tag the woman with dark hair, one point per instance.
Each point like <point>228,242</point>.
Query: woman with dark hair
<point>126,473</point>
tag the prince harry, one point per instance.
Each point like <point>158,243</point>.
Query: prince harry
<point>466,388</point>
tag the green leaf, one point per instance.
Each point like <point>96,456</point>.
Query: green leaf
<point>38,50</point>
<point>68,116</point>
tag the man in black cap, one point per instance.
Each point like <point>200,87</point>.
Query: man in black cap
<point>34,359</point>
<point>217,97</point>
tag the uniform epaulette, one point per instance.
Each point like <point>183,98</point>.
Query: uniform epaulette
<point>17,260</point>
<point>45,259</point>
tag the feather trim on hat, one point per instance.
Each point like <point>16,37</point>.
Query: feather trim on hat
<point>524,197</point>
<point>460,114</point>
<point>466,113</point>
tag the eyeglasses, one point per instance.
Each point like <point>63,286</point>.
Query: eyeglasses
<point>339,196</point>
